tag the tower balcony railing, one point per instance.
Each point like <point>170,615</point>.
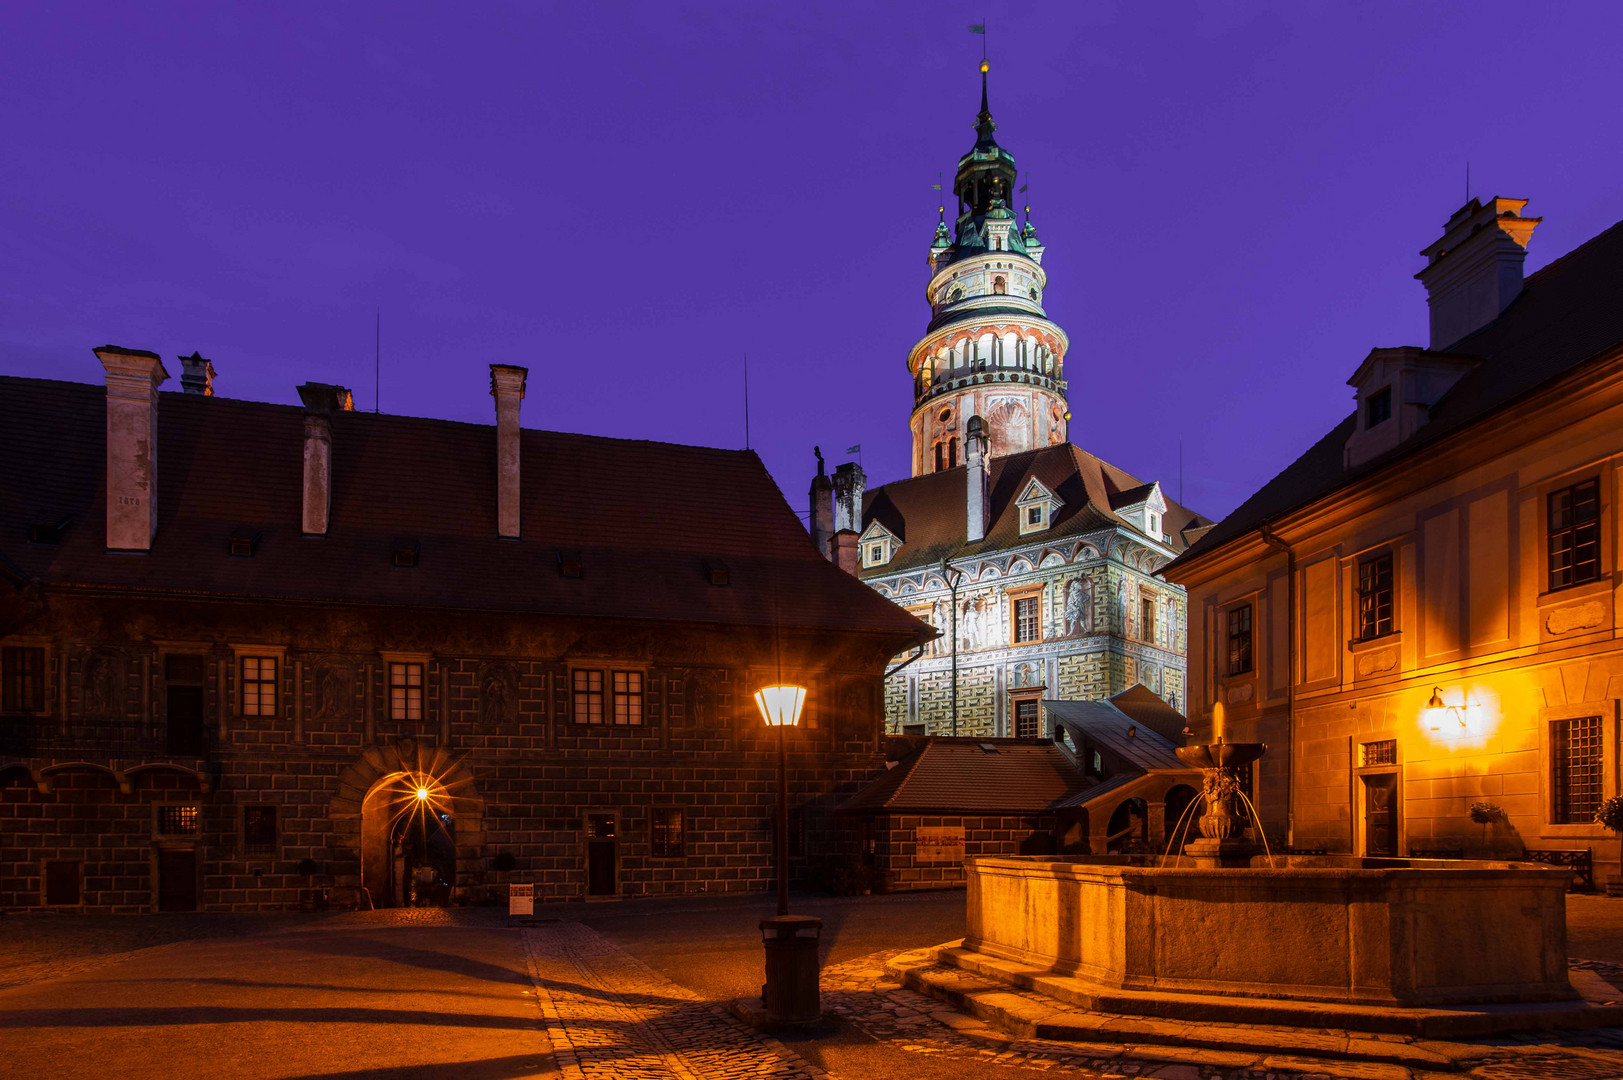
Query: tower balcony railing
<point>986,375</point>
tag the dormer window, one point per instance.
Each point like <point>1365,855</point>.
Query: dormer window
<point>1378,407</point>
<point>1034,515</point>
<point>879,545</point>
<point>1037,506</point>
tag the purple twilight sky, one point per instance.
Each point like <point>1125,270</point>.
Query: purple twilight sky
<point>628,198</point>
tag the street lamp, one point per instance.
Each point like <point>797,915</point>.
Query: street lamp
<point>790,994</point>
<point>954,577</point>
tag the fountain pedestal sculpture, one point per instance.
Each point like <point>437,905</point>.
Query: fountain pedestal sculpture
<point>1224,811</point>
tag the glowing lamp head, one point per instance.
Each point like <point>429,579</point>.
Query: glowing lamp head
<point>422,794</point>
<point>1436,711</point>
<point>985,67</point>
<point>780,705</point>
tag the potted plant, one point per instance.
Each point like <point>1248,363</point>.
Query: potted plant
<point>1485,814</point>
<point>1610,815</point>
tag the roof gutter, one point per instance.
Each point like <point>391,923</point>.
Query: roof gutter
<point>1272,539</point>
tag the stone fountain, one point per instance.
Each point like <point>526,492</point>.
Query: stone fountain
<point>1225,808</point>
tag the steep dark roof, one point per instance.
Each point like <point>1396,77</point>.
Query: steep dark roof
<point>963,776</point>
<point>929,512</point>
<point>1150,709</point>
<point>643,516</point>
<point>1569,312</point>
<point>1114,730</point>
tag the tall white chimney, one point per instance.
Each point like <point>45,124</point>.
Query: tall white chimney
<point>1475,270</point>
<point>849,484</point>
<point>197,374</point>
<point>133,378</point>
<point>507,387</point>
<point>320,402</point>
<point>977,455</point>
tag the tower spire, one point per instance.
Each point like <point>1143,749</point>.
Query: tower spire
<point>983,121</point>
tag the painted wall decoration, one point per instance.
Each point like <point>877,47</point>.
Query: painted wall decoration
<point>102,690</point>
<point>498,694</point>
<point>1078,607</point>
<point>332,689</point>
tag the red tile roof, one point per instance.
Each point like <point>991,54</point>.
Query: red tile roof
<point>644,516</point>
<point>928,513</point>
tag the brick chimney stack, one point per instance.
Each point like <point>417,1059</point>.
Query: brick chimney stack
<point>133,378</point>
<point>849,484</point>
<point>197,374</point>
<point>847,552</point>
<point>507,387</point>
<point>321,400</point>
<point>1475,270</point>
<point>977,457</point>
<point>822,510</point>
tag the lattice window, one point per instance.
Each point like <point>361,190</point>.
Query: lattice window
<point>588,697</point>
<point>259,830</point>
<point>1575,765</point>
<point>666,841</point>
<point>1025,619</point>
<point>628,697</point>
<point>405,691</point>
<point>1374,597</point>
<point>259,686</point>
<point>177,821</point>
<point>1574,527</point>
<point>1384,752</point>
<point>22,678</point>
<point>1027,720</point>
<point>1239,634</point>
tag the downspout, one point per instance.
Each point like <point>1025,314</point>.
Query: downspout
<point>1272,539</point>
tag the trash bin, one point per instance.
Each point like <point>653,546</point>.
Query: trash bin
<point>791,993</point>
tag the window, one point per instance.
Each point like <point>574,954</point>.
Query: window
<point>915,731</point>
<point>952,452</point>
<point>1154,524</point>
<point>588,697</point>
<point>405,691</point>
<point>628,697</point>
<point>177,821</point>
<point>1034,515</point>
<point>1025,619</point>
<point>1377,407</point>
<point>1575,765</point>
<point>1146,618</point>
<point>1574,526</point>
<point>1374,597</point>
<point>259,830</point>
<point>1384,752</point>
<point>1240,640</point>
<point>1027,720</point>
<point>22,671</point>
<point>259,686</point>
<point>665,840</point>
<point>61,882</point>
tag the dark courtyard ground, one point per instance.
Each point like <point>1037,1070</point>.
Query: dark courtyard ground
<point>613,990</point>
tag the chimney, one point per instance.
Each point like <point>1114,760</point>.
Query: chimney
<point>977,451</point>
<point>507,387</point>
<point>822,510</point>
<point>197,374</point>
<point>1475,270</point>
<point>321,400</point>
<point>849,484</point>
<point>133,378</point>
<point>847,552</point>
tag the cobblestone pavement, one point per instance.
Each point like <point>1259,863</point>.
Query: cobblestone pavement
<point>611,1016</point>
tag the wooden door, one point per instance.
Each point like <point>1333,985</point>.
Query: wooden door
<point>1381,815</point>
<point>177,881</point>
<point>601,855</point>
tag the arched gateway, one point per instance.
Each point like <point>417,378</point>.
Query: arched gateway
<point>377,807</point>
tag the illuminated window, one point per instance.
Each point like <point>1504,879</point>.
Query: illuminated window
<point>405,691</point>
<point>1377,407</point>
<point>1027,720</point>
<point>665,841</point>
<point>1374,597</point>
<point>22,679</point>
<point>259,686</point>
<point>588,697</point>
<point>1239,640</point>
<point>259,830</point>
<point>1025,619</point>
<point>1575,767</point>
<point>177,821</point>
<point>1574,527</point>
<point>628,697</point>
<point>1383,752</point>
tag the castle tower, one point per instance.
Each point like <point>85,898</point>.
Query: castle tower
<point>989,351</point>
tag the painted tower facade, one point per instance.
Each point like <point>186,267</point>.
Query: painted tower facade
<point>990,350</point>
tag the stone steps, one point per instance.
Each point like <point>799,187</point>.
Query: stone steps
<point>1027,1003</point>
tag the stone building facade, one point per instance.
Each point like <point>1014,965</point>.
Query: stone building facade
<point>238,640</point>
<point>1036,562</point>
<point>1420,616</point>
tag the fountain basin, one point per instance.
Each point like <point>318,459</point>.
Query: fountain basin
<point>1329,929</point>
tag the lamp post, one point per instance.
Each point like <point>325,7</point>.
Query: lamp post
<point>954,578</point>
<point>790,994</point>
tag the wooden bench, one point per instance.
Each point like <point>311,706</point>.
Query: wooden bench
<point>1581,863</point>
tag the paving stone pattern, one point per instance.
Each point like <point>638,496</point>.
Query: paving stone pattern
<point>611,1017</point>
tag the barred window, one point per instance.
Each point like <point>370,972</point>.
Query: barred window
<point>1025,619</point>
<point>22,678</point>
<point>1374,597</point>
<point>1240,640</point>
<point>1574,528</point>
<point>1384,752</point>
<point>1575,765</point>
<point>259,686</point>
<point>1027,720</point>
<point>588,697</point>
<point>259,830</point>
<point>665,841</point>
<point>405,691</point>
<point>628,697</point>
<point>177,821</point>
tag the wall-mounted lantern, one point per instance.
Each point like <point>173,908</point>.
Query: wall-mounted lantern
<point>1440,714</point>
